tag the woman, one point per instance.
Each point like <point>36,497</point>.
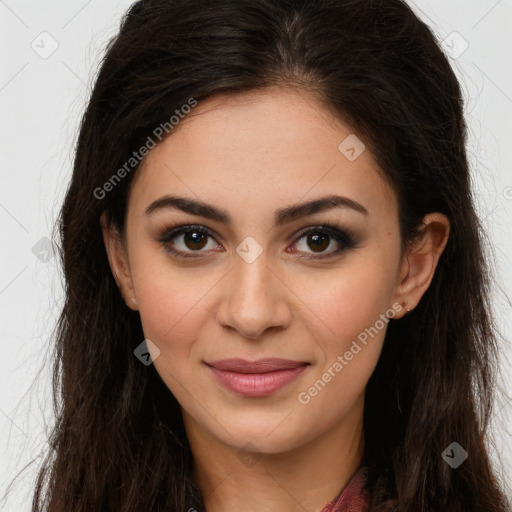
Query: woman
<point>276,288</point>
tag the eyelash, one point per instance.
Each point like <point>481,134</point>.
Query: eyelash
<point>345,237</point>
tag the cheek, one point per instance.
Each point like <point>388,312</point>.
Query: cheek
<point>171,305</point>
<point>173,312</point>
<point>351,349</point>
<point>354,310</point>
<point>350,300</point>
<point>174,308</point>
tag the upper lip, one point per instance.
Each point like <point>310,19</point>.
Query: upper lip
<point>259,366</point>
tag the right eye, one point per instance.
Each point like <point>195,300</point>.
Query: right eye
<point>191,239</point>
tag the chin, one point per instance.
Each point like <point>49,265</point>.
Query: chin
<point>272,436</point>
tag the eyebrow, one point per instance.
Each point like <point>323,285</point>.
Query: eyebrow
<point>281,216</point>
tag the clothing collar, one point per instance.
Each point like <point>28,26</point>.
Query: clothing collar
<point>353,497</point>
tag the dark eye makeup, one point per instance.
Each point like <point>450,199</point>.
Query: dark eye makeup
<point>196,234</point>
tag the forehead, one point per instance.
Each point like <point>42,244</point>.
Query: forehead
<point>258,149</point>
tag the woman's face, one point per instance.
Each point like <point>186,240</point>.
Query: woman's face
<point>266,281</point>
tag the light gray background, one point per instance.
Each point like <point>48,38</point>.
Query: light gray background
<point>42,95</point>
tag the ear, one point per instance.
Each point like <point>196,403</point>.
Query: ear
<point>420,261</point>
<point>118,260</point>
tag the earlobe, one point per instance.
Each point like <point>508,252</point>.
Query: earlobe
<point>421,259</point>
<point>118,261</point>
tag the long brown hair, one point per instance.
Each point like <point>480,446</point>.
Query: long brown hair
<point>119,442</point>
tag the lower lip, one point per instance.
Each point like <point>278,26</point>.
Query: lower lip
<point>257,384</point>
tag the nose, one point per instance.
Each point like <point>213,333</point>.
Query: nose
<point>253,299</point>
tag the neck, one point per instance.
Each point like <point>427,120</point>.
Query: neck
<point>306,477</point>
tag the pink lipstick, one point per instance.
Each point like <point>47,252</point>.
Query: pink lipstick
<point>256,378</point>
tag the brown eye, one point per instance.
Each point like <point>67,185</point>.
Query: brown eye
<point>188,241</point>
<point>195,240</point>
<point>318,242</point>
<point>322,242</point>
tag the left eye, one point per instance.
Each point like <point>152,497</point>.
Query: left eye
<point>193,239</point>
<point>321,238</point>
<point>317,241</point>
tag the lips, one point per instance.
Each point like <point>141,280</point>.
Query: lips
<point>260,366</point>
<point>256,378</point>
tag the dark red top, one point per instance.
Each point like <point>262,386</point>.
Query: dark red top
<point>353,497</point>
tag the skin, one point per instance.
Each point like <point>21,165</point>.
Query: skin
<point>251,154</point>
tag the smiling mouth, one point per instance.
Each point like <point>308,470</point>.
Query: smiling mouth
<point>256,378</point>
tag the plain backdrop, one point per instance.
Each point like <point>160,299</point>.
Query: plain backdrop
<point>49,55</point>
